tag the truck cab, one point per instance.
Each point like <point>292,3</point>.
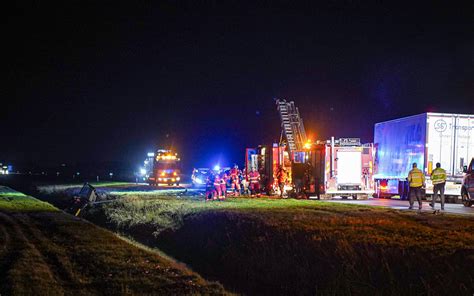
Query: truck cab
<point>467,188</point>
<point>166,169</point>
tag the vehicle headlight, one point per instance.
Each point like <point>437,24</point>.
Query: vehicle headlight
<point>178,178</point>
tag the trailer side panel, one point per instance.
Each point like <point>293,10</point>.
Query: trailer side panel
<point>398,144</point>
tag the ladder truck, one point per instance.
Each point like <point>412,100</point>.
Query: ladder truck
<point>337,167</point>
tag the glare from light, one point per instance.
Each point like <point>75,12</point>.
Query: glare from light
<point>142,171</point>
<point>217,167</point>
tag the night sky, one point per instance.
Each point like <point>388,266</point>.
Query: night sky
<point>91,81</point>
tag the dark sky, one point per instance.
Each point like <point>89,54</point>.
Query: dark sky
<point>110,81</point>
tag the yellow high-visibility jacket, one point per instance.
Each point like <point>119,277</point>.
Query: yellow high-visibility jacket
<point>416,178</point>
<point>438,176</point>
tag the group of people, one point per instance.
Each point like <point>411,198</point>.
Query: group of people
<point>416,181</point>
<point>240,183</point>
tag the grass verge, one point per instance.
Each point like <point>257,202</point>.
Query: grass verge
<point>13,201</point>
<point>274,246</point>
<point>52,253</point>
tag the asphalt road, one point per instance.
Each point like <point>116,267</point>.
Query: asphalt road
<point>403,205</point>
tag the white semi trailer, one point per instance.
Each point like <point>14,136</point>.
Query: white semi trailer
<point>426,139</point>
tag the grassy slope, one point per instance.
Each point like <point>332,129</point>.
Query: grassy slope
<point>11,200</point>
<point>357,223</point>
<point>47,252</point>
<point>362,248</point>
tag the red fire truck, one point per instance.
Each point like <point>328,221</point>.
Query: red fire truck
<point>320,169</point>
<point>343,168</point>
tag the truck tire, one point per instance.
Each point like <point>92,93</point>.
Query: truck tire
<point>465,199</point>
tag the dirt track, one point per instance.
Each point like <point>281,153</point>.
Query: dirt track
<point>54,253</point>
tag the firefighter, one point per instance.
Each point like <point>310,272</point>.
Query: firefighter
<point>254,178</point>
<point>235,180</point>
<point>438,177</point>
<point>210,190</point>
<point>281,179</point>
<point>223,183</point>
<point>245,183</point>
<point>217,187</point>
<point>416,180</point>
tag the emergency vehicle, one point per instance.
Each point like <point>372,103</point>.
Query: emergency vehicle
<point>267,160</point>
<point>166,169</point>
<point>200,176</point>
<point>342,167</point>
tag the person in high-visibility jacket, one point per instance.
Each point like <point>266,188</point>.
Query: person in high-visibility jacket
<point>438,178</point>
<point>223,185</point>
<point>235,180</point>
<point>281,179</point>
<point>254,178</point>
<point>416,179</point>
<point>217,186</point>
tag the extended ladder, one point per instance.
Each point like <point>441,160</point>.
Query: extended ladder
<point>291,125</point>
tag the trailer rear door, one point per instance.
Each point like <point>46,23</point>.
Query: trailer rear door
<point>450,141</point>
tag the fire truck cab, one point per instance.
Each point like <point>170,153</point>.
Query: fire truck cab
<point>166,169</point>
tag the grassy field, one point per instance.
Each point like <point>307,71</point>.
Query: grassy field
<point>46,252</point>
<point>274,246</point>
<point>13,201</point>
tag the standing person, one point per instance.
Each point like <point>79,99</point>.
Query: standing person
<point>235,180</point>
<point>254,178</point>
<point>416,179</point>
<point>438,177</point>
<point>210,190</point>
<point>217,186</point>
<point>224,184</point>
<point>245,182</point>
<point>281,179</point>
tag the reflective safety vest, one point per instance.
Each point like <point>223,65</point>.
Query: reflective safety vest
<point>254,176</point>
<point>281,176</point>
<point>234,174</point>
<point>416,178</point>
<point>438,176</point>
